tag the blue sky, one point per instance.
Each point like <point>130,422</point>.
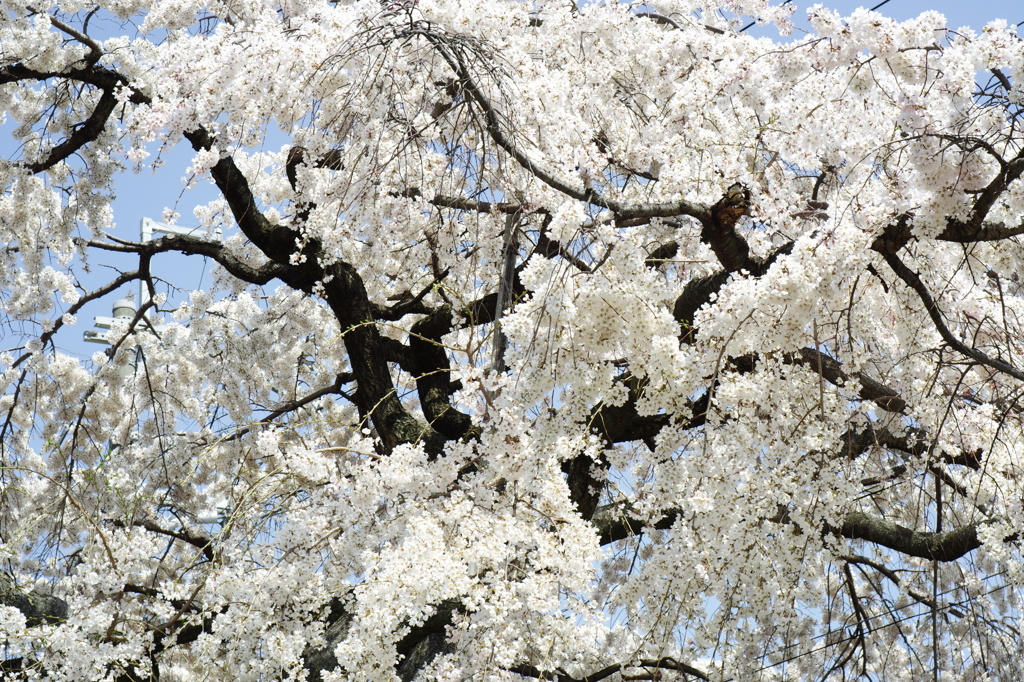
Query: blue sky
<point>975,13</point>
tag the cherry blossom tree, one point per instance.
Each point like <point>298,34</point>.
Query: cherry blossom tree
<point>549,340</point>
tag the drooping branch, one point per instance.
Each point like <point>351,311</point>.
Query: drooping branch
<point>95,52</point>
<point>856,559</point>
<point>913,280</point>
<point>454,53</point>
<point>93,295</point>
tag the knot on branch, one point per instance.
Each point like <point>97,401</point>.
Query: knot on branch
<point>719,232</point>
<point>814,209</point>
<point>894,237</point>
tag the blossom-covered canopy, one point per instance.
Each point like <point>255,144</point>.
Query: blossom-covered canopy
<point>546,340</point>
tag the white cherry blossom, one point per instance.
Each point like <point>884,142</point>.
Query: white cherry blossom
<point>545,340</point>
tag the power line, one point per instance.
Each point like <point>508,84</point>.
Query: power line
<point>753,23</point>
<point>789,1</point>
<point>894,621</point>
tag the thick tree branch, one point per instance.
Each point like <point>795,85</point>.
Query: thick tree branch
<point>697,293</point>
<point>201,542</point>
<point>420,645</point>
<point>983,203</point>
<point>465,204</point>
<point>985,232</point>
<point>409,304</point>
<point>38,609</point>
<point>719,231</point>
<point>297,157</point>
<point>604,673</point>
<point>277,242</point>
<point>100,77</point>
<point>914,442</point>
<point>832,371</point>
<point>345,294</point>
<point>700,290</point>
<point>946,546</point>
<point>254,274</point>
<point>84,133</point>
<point>433,374</point>
<point>662,254</point>
<point>320,658</point>
<point>550,248</point>
<point>618,521</point>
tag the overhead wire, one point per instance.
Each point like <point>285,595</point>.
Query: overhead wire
<point>789,1</point>
<point>754,22</point>
<point>894,621</point>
